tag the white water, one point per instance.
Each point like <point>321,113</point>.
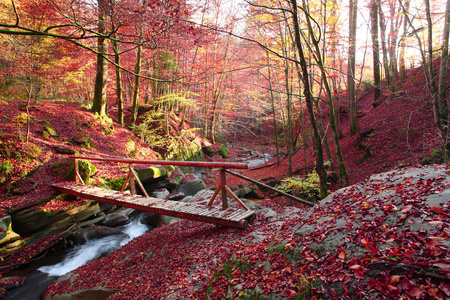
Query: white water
<point>93,249</point>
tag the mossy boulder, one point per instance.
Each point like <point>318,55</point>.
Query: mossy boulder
<point>50,130</point>
<point>153,174</point>
<point>7,235</point>
<point>85,169</point>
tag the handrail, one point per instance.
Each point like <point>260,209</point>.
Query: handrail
<point>132,178</point>
<point>226,165</point>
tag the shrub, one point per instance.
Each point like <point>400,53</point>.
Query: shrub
<point>303,187</point>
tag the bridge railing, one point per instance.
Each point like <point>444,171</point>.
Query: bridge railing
<point>132,177</point>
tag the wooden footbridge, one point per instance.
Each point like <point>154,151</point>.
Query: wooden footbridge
<point>228,216</point>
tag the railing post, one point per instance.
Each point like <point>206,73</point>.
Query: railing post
<point>132,181</point>
<point>76,169</point>
<point>223,182</point>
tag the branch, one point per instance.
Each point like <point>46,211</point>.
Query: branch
<point>245,39</point>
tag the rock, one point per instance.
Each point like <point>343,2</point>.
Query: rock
<point>248,193</point>
<point>177,176</point>
<point>151,219</point>
<point>203,197</point>
<point>187,199</point>
<point>51,131</point>
<point>176,196</point>
<point>118,217</point>
<point>86,169</point>
<point>160,194</point>
<point>163,184</point>
<point>166,220</point>
<point>192,187</point>
<point>151,175</point>
<point>94,232</point>
<point>98,293</point>
<point>64,150</point>
<point>7,235</point>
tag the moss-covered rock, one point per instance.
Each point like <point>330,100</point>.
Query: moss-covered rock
<point>152,174</point>
<point>7,235</point>
<point>85,169</point>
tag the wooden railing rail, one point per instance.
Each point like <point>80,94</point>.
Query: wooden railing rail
<point>132,177</point>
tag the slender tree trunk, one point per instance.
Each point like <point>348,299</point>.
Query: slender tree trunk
<point>137,71</point>
<point>402,63</point>
<point>343,174</point>
<point>317,142</point>
<point>289,117</point>
<point>443,113</point>
<point>375,49</point>
<point>352,104</point>
<point>275,127</point>
<point>383,45</point>
<point>101,77</point>
<point>118,83</point>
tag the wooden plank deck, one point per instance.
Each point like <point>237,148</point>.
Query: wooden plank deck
<point>231,217</point>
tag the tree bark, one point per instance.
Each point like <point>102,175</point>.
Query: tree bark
<point>118,83</point>
<point>317,142</point>
<point>443,113</point>
<point>402,63</point>
<point>137,71</point>
<point>101,77</point>
<point>352,104</point>
<point>275,127</point>
<point>375,49</point>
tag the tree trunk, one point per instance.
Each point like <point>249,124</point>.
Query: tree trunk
<point>352,104</point>
<point>118,83</point>
<point>275,127</point>
<point>402,63</point>
<point>137,71</point>
<point>383,45</point>
<point>317,142</point>
<point>289,118</point>
<point>443,114</point>
<point>343,174</point>
<point>375,49</point>
<point>101,77</point>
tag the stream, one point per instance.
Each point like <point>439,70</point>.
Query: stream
<point>39,279</point>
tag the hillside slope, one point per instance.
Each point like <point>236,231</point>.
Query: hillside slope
<point>387,238</point>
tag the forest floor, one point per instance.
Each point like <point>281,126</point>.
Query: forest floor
<point>398,133</point>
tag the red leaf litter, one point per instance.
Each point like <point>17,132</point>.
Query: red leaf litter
<point>376,258</point>
<point>384,252</point>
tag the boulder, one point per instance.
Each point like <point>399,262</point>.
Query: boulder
<point>151,219</point>
<point>7,235</point>
<point>187,199</point>
<point>248,193</point>
<point>160,194</point>
<point>176,196</point>
<point>151,174</point>
<point>166,220</point>
<point>177,176</point>
<point>192,187</point>
<point>94,232</point>
<point>118,217</point>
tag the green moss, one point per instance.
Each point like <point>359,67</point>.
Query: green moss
<point>223,150</point>
<point>33,150</point>
<point>303,187</point>
<point>6,167</point>
<point>435,157</point>
<point>50,130</point>
<point>85,169</point>
<point>45,135</point>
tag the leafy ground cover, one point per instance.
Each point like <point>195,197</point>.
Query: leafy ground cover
<point>391,247</point>
<point>386,238</point>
